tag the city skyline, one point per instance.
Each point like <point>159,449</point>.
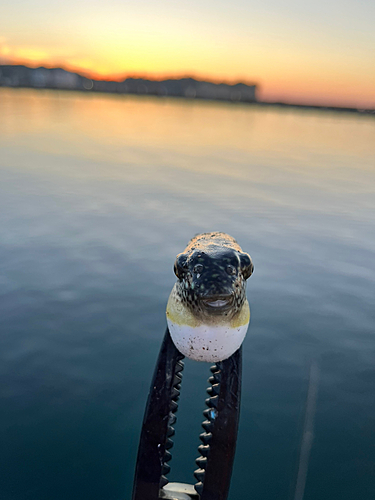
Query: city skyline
<point>313,54</point>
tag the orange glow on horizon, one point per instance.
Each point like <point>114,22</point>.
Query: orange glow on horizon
<point>85,70</point>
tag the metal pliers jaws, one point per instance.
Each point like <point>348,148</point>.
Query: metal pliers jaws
<point>218,439</point>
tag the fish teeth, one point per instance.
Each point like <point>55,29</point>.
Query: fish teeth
<point>217,303</point>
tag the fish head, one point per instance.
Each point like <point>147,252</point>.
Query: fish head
<point>212,281</point>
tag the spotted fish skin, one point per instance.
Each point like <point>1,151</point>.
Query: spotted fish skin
<point>208,312</point>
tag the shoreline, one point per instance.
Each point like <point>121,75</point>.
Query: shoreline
<point>274,104</point>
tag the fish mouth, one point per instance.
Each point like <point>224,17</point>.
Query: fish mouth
<point>217,304</point>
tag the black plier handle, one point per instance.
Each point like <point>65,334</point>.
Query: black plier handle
<point>220,427</point>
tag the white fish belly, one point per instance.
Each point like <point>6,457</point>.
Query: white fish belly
<point>209,343</point>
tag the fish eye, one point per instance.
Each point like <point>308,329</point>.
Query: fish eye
<point>231,270</point>
<point>198,268</point>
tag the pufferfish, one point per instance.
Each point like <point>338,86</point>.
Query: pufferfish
<point>207,312</point>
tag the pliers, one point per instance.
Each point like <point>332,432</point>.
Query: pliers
<point>218,439</point>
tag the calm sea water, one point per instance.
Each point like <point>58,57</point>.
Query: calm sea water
<point>97,196</point>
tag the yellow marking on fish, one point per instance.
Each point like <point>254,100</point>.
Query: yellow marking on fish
<point>178,313</point>
<point>243,317</point>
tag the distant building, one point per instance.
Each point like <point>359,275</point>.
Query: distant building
<point>58,78</point>
<point>55,78</point>
<point>191,89</point>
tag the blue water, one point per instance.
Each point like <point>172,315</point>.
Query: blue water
<point>97,196</point>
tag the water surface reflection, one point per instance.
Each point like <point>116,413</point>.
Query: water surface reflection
<point>97,196</point>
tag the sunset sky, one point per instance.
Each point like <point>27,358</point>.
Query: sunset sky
<point>310,52</point>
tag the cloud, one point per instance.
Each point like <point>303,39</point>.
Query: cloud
<point>30,54</point>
